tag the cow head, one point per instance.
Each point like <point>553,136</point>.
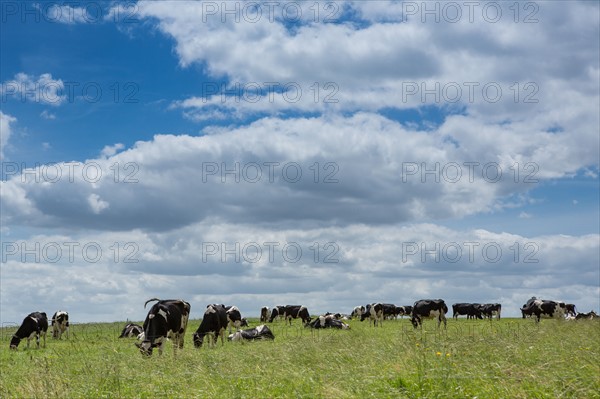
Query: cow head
<point>145,347</point>
<point>14,342</point>
<point>198,339</point>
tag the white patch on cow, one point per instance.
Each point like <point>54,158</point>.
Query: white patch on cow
<point>141,336</point>
<point>210,309</point>
<point>162,313</point>
<point>260,328</point>
<point>151,316</point>
<point>233,309</point>
<point>237,336</point>
<point>322,321</point>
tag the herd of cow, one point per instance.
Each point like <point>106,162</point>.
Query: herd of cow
<point>168,319</point>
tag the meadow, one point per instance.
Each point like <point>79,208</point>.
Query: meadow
<point>508,358</point>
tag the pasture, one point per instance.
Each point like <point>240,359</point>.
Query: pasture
<point>509,358</point>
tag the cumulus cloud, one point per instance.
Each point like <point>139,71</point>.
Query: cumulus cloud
<point>271,171</point>
<point>44,89</point>
<point>5,131</point>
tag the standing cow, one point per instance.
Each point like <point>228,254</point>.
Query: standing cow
<point>34,325</point>
<point>374,312</point>
<point>541,307</point>
<point>430,309</point>
<point>60,324</point>
<point>166,319</point>
<point>214,322</point>
<point>471,310</point>
<point>264,314</point>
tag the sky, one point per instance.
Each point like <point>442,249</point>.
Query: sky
<point>323,153</point>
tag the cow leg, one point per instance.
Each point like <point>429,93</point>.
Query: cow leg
<point>44,336</point>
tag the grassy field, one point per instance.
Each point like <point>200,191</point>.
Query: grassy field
<point>510,358</point>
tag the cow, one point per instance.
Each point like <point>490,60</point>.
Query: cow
<point>132,330</point>
<point>214,322</point>
<point>374,312</point>
<point>405,310</point>
<point>234,318</point>
<point>586,316</point>
<point>328,321</point>
<point>35,324</point>
<point>264,314</point>
<point>277,312</point>
<point>358,311</point>
<point>429,308</point>
<point>290,312</point>
<point>259,332</point>
<point>60,324</point>
<point>490,309</point>
<point>390,311</point>
<point>570,310</point>
<point>166,319</point>
<point>539,308</point>
<point>471,310</point>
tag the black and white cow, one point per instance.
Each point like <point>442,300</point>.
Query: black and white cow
<point>390,311</point>
<point>430,309</point>
<point>357,311</point>
<point>405,310</point>
<point>34,325</point>
<point>264,314</point>
<point>490,309</point>
<point>471,310</point>
<point>570,310</point>
<point>586,316</point>
<point>259,332</point>
<point>545,308</point>
<point>374,312</point>
<point>277,313</point>
<point>60,324</point>
<point>166,319</point>
<point>328,321</point>
<point>214,322</point>
<point>290,312</point>
<point>234,317</point>
<point>131,330</point>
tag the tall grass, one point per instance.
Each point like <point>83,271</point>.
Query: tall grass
<point>510,358</point>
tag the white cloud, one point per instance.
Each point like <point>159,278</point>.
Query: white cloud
<point>47,115</point>
<point>97,205</point>
<point>110,150</point>
<point>525,215</point>
<point>5,131</point>
<point>44,89</point>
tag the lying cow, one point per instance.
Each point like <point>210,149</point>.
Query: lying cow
<point>166,319</point>
<point>260,332</point>
<point>471,310</point>
<point>132,330</point>
<point>429,309</point>
<point>538,308</point>
<point>374,312</point>
<point>213,324</point>
<point>328,321</point>
<point>586,316</point>
<point>34,325</point>
<point>60,324</point>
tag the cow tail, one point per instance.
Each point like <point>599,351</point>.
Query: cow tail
<point>150,300</point>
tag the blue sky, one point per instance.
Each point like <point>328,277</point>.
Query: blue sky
<point>378,90</point>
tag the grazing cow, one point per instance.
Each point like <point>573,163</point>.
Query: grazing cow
<point>35,324</point>
<point>166,319</point>
<point>259,332</point>
<point>294,312</point>
<point>430,309</point>
<point>570,310</point>
<point>539,308</point>
<point>131,330</point>
<point>375,313</point>
<point>390,311</point>
<point>328,321</point>
<point>471,310</point>
<point>264,314</point>
<point>60,324</point>
<point>277,312</point>
<point>358,311</point>
<point>405,310</point>
<point>213,324</point>
<point>586,316</point>
<point>490,309</point>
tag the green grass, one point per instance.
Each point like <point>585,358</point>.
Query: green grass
<point>510,358</point>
